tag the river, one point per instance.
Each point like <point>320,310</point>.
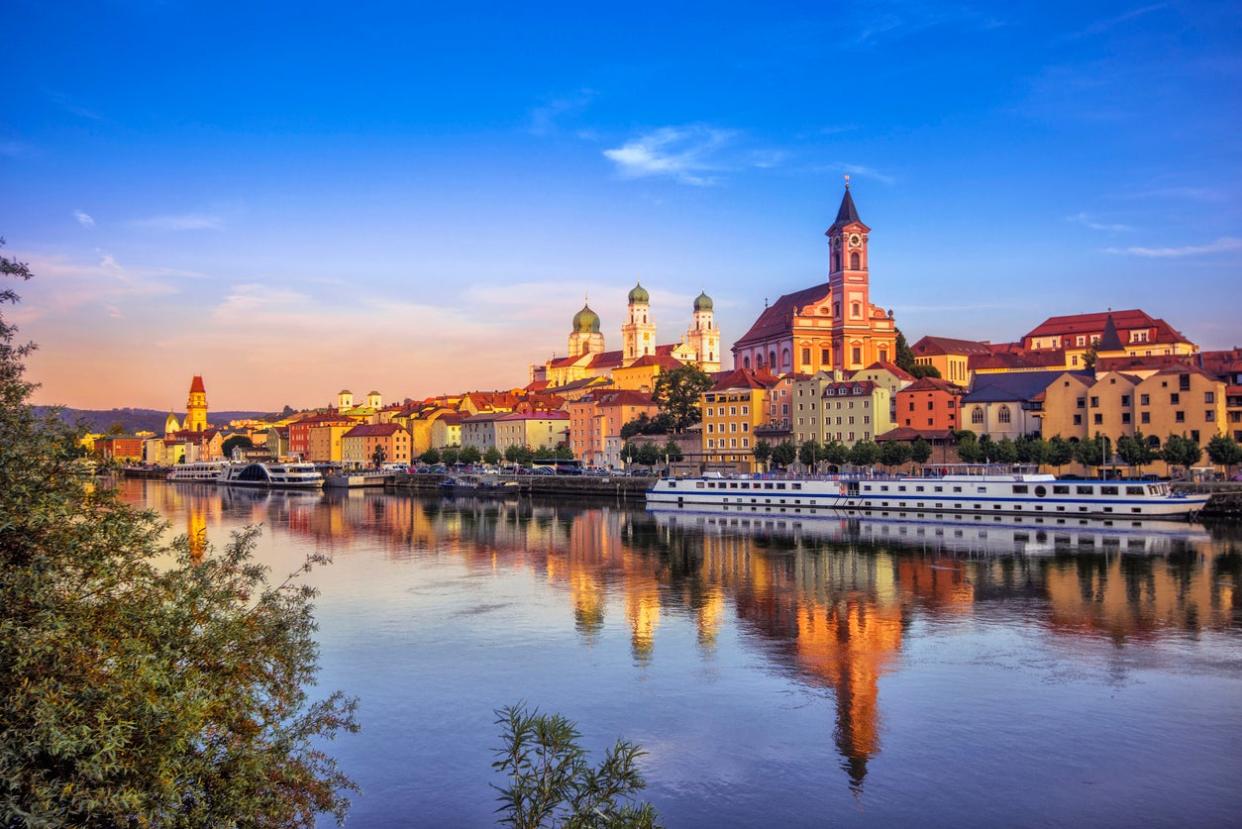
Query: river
<point>778,673</point>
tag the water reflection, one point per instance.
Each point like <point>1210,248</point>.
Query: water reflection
<point>830,603</point>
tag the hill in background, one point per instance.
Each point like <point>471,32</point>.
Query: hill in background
<point>135,420</point>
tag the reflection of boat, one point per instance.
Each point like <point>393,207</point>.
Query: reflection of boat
<point>478,484</point>
<point>370,477</point>
<point>300,475</point>
<point>200,471</point>
<point>1003,535</point>
<point>966,491</point>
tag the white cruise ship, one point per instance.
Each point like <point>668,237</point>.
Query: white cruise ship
<point>198,472</point>
<point>965,492</point>
<point>284,475</point>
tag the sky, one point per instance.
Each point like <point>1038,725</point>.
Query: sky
<point>291,199</point>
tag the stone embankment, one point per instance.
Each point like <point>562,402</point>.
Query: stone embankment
<point>1226,498</point>
<point>583,486</point>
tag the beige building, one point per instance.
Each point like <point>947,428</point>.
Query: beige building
<point>446,431</point>
<point>537,430</point>
<point>323,442</point>
<point>358,445</point>
<point>846,412</point>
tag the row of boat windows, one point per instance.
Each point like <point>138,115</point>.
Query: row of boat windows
<point>1041,537</point>
<point>920,505</point>
<point>1040,490</point>
<point>1087,541</point>
<point>739,485</point>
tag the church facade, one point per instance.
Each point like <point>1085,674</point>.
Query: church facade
<point>589,358</point>
<point>830,326</point>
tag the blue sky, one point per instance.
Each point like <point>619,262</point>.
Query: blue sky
<point>290,199</point>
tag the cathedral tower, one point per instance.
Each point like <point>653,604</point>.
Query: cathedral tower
<point>638,335</point>
<point>703,336</point>
<point>196,406</point>
<point>584,337</point>
<point>849,286</point>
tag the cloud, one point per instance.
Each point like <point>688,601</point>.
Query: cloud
<point>687,154</point>
<point>1221,245</point>
<point>65,285</point>
<point>1206,194</point>
<point>543,119</point>
<point>85,219</point>
<point>860,170</point>
<point>1104,25</point>
<point>1086,221</point>
<point>183,221</point>
<point>72,107</point>
<point>14,149</point>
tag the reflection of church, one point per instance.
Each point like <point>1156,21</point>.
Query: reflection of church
<point>587,357</point>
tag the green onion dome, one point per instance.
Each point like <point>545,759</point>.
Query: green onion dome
<point>702,302</point>
<point>586,321</point>
<point>639,294</point>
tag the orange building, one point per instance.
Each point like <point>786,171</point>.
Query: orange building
<point>732,409</point>
<point>299,432</point>
<point>119,448</point>
<point>825,327</point>
<point>595,418</point>
<point>358,445</point>
<point>930,403</point>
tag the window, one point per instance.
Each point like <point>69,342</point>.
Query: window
<point>1179,417</point>
<point>1209,397</point>
<point>1210,416</point>
<point>1095,402</point>
<point>1097,418</point>
<point>1020,489</point>
<point>1125,400</point>
<point>1082,402</point>
<point>1145,417</point>
<point>1134,490</point>
<point>1077,420</point>
<point>823,356</point>
<point>1175,398</point>
<point>1084,490</point>
<point>1003,414</point>
<point>1108,490</point>
<point>1144,399</point>
<point>856,353</point>
<point>1060,490</point>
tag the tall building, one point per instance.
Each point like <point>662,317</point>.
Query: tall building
<point>585,337</point>
<point>701,343</point>
<point>196,407</point>
<point>638,335</point>
<point>829,326</point>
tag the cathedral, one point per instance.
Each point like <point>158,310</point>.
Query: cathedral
<point>828,326</point>
<point>587,355</point>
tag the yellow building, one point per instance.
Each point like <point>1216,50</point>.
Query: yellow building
<point>196,407</point>
<point>826,410</point>
<point>446,431</point>
<point>732,409</point>
<point>358,445</point>
<point>949,356</point>
<point>323,442</point>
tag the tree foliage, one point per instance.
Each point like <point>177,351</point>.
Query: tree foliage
<point>550,783</point>
<point>1091,452</point>
<point>677,393</point>
<point>492,456</point>
<point>1059,452</point>
<point>809,453</point>
<point>142,685</point>
<point>469,454</point>
<point>233,442</point>
<point>920,451</point>
<point>672,451</point>
<point>661,424</point>
<point>1181,451</point>
<point>1225,451</point>
<point>904,358</point>
<point>864,453</point>
<point>762,452</point>
<point>431,456</point>
<point>920,370</point>
<point>784,453</point>
<point>1136,450</point>
<point>894,453</point>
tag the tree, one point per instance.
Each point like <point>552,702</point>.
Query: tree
<point>677,393</point>
<point>809,453</point>
<point>1089,357</point>
<point>672,451</point>
<point>968,450</point>
<point>987,448</point>
<point>378,456</point>
<point>1090,452</point>
<point>762,452</point>
<point>562,451</point>
<point>450,454</point>
<point>550,783</point>
<point>1059,453</point>
<point>904,358</point>
<point>661,424</point>
<point>234,442</point>
<point>784,453</point>
<point>920,451</point>
<point>1031,449</point>
<point>117,428</point>
<point>864,453</point>
<point>431,456</point>
<point>629,453</point>
<point>1181,451</point>
<point>518,454</point>
<point>1004,451</point>
<point>924,370</point>
<point>1135,450</point>
<point>836,453</point>
<point>143,684</point>
<point>648,454</point>
<point>1225,451</point>
<point>469,455</point>
<point>894,453</point>
<point>492,456</point>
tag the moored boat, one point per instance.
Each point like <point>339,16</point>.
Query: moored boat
<point>968,492</point>
<point>283,475</point>
<point>198,472</point>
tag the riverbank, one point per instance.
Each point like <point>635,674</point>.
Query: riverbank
<point>1226,500</point>
<point>579,486</point>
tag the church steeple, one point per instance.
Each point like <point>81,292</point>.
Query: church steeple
<point>847,213</point>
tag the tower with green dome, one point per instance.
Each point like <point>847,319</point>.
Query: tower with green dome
<point>585,336</point>
<point>638,334</point>
<point>703,338</point>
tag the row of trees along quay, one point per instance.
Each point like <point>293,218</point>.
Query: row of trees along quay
<point>143,684</point>
<point>516,455</point>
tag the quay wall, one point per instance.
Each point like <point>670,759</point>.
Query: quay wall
<point>585,486</point>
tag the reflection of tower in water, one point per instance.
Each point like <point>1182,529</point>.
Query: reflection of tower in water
<point>196,527</point>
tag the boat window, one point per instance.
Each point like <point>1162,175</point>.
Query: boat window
<point>797,486</point>
<point>672,484</point>
<point>982,489</point>
<point>1041,491</point>
<point>901,489</point>
<point>1108,490</point>
<point>780,486</point>
<point>1020,489</point>
<point>1085,490</point>
<point>918,489</point>
<point>698,485</point>
<point>866,487</point>
<point>957,489</point>
<point>883,489</point>
<point>940,489</point>
<point>767,486</point>
<point>732,486</point>
<point>1060,490</point>
<point>1134,490</point>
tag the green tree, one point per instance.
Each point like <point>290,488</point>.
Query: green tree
<point>518,454</point>
<point>117,428</point>
<point>904,358</point>
<point>677,393</point>
<point>431,456</point>
<point>924,370</point>
<point>550,783</point>
<point>1089,357</point>
<point>894,453</point>
<point>1224,450</point>
<point>1004,451</point>
<point>1091,452</point>
<point>864,453</point>
<point>450,454</point>
<point>1181,451</point>
<point>648,454</point>
<point>1136,450</point>
<point>672,451</point>
<point>378,456</point>
<point>987,448</point>
<point>562,451</point>
<point>1031,449</point>
<point>762,452</point>
<point>810,453</point>
<point>836,453</point>
<point>1059,452</point>
<point>920,451</point>
<point>142,684</point>
<point>784,453</point>
<point>629,453</point>
<point>469,454</point>
<point>968,450</point>
<point>233,442</point>
<point>492,456</point>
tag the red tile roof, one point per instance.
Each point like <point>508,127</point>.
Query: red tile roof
<point>745,378</point>
<point>777,318</point>
<point>535,416</point>
<point>196,385</point>
<point>1095,323</point>
<point>624,397</point>
<point>937,346</point>
<point>891,367</point>
<point>933,384</point>
<point>849,387</point>
<point>373,430</point>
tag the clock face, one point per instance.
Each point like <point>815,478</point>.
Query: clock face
<point>855,240</point>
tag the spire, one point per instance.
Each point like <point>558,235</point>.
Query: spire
<point>1110,340</point>
<point>847,213</point>
<point>196,385</point>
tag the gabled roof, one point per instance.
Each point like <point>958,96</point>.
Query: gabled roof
<point>933,384</point>
<point>936,346</point>
<point>777,318</point>
<point>373,430</point>
<point>1017,387</point>
<point>196,385</point>
<point>1109,340</point>
<point>1093,323</point>
<point>891,367</point>
<point>744,378</point>
<point>850,387</point>
<point>664,361</point>
<point>540,415</point>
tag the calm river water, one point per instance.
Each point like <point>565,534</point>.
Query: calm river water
<point>778,674</point>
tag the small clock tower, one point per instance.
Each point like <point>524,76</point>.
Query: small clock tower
<point>849,285</point>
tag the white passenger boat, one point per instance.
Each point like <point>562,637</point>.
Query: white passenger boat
<point>967,492</point>
<point>198,472</point>
<point>284,475</point>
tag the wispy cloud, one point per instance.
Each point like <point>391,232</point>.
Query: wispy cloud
<point>1101,26</point>
<point>73,107</point>
<point>85,219</point>
<point>1221,245</point>
<point>1086,220</point>
<point>859,170</point>
<point>543,119</point>
<point>687,154</point>
<point>1189,193</point>
<point>183,221</point>
<point>65,285</point>
<point>14,149</point>
<point>899,18</point>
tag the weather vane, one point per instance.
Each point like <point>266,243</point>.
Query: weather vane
<point>847,181</point>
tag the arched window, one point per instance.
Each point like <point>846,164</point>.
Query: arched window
<point>771,359</point>
<point>836,260</point>
<point>785,361</point>
<point>976,415</point>
<point>855,261</point>
<point>1003,414</point>
<point>745,362</point>
<point>856,309</point>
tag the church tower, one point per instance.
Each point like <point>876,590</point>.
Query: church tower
<point>849,286</point>
<point>703,336</point>
<point>584,337</point>
<point>171,425</point>
<point>196,406</point>
<point>638,335</point>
